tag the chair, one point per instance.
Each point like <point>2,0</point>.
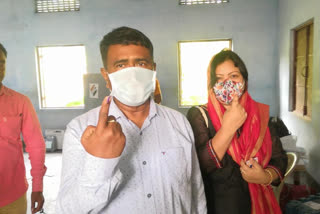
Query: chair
<point>292,161</point>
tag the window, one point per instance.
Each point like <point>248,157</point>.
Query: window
<point>60,71</point>
<point>301,96</point>
<point>192,2</point>
<point>46,6</point>
<point>194,58</point>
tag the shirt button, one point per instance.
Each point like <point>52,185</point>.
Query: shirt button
<point>149,195</point>
<point>140,133</point>
<point>144,162</point>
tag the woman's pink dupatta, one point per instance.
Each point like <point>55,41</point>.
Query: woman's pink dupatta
<point>254,141</point>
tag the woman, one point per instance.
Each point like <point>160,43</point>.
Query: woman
<point>238,153</point>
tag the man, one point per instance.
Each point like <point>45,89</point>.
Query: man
<point>17,116</point>
<point>131,155</point>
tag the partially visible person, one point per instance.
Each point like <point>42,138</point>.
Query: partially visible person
<point>130,155</point>
<point>157,96</point>
<point>17,116</point>
<point>240,156</point>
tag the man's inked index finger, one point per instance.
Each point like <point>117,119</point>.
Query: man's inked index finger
<point>103,115</point>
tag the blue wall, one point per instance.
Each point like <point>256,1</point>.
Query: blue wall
<point>252,24</point>
<point>293,13</point>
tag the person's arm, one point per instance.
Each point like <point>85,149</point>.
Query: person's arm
<point>233,118</point>
<point>273,172</point>
<point>87,182</point>
<point>201,136</point>
<point>35,146</point>
<point>213,149</point>
<point>279,160</point>
<point>89,169</point>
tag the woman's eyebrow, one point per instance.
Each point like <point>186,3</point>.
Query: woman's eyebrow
<point>234,72</point>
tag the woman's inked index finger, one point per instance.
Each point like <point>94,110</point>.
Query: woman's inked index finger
<point>103,115</point>
<point>235,100</point>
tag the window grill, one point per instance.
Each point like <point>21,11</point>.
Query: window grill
<point>193,2</point>
<point>49,6</point>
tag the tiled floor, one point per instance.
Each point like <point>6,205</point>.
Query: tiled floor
<point>51,181</point>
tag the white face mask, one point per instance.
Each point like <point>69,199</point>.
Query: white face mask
<point>132,86</point>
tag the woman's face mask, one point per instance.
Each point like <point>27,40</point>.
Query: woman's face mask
<point>132,86</point>
<point>225,91</point>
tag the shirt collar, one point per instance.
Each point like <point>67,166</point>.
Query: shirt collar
<point>115,111</point>
<point>153,109</point>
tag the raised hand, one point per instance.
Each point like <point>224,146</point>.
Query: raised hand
<point>106,140</point>
<point>234,116</point>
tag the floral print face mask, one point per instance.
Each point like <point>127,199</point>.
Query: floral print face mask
<point>225,91</point>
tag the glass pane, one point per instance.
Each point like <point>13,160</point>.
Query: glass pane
<point>45,6</point>
<point>61,76</point>
<point>193,2</point>
<point>194,61</point>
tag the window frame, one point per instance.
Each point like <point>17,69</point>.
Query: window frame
<point>40,78</point>
<point>180,66</point>
<point>293,73</point>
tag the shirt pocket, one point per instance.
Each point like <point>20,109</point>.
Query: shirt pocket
<point>10,127</point>
<point>174,163</point>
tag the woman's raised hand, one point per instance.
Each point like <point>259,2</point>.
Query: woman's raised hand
<point>234,116</point>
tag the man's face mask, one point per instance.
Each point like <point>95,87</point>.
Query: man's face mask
<point>225,91</point>
<point>132,86</point>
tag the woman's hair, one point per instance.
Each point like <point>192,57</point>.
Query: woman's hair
<point>223,56</point>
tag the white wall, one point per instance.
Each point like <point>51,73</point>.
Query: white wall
<point>252,24</point>
<point>293,13</point>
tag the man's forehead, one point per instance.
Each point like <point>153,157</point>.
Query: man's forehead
<point>117,52</point>
<point>124,47</point>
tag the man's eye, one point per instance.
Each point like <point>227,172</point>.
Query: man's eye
<point>120,65</point>
<point>142,64</point>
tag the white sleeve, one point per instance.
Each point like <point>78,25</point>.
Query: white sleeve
<point>87,182</point>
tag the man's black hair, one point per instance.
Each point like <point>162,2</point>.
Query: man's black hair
<point>124,36</point>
